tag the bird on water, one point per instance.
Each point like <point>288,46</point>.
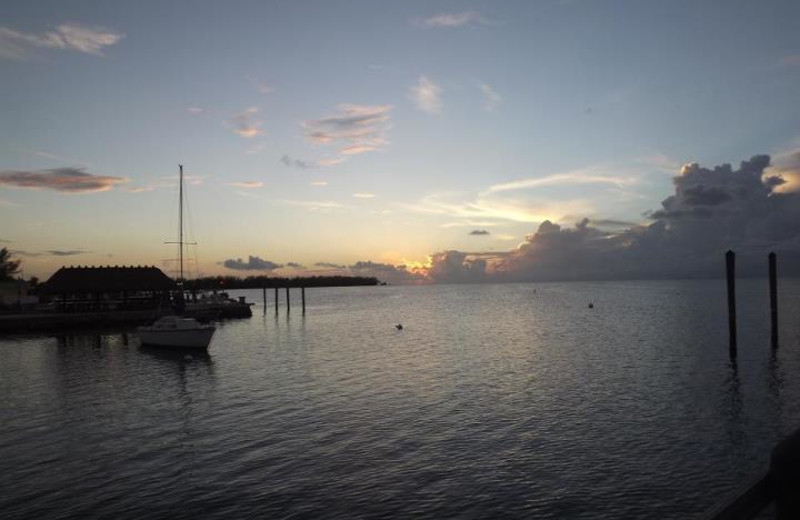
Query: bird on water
<point>399,326</point>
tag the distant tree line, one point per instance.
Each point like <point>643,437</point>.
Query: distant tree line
<point>257,282</point>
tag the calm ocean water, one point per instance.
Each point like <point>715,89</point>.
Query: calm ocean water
<point>495,401</point>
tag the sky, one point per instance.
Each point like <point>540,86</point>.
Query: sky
<point>415,141</point>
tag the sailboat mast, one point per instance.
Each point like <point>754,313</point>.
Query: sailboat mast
<point>180,222</point>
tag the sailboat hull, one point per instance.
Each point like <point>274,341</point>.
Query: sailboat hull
<point>182,338</point>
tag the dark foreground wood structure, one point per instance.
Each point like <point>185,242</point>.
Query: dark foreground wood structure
<point>780,484</point>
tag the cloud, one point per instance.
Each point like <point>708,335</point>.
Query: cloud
<point>89,40</point>
<point>363,195</point>
<point>711,210</point>
<point>486,207</point>
<point>245,124</point>
<point>453,20</point>
<point>354,128</point>
<point>319,183</point>
<point>491,98</point>
<point>248,184</point>
<point>68,252</point>
<point>787,167</point>
<point>295,265</point>
<point>456,267</point>
<point>583,176</point>
<point>478,232</point>
<point>308,165</point>
<point>314,205</point>
<point>790,60</point>
<point>384,272</point>
<point>253,263</point>
<point>427,95</point>
<point>67,180</point>
<point>329,265</point>
<point>194,110</point>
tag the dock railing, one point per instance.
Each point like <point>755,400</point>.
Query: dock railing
<point>780,484</point>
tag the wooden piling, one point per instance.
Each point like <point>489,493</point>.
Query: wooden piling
<point>288,305</point>
<point>730,271</point>
<point>264,289</point>
<point>773,298</point>
<point>276,301</point>
<point>303,295</point>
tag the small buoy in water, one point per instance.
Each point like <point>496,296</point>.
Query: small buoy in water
<point>591,305</point>
<point>399,326</point>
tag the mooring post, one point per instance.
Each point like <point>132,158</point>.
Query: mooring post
<point>276,301</point>
<point>773,298</point>
<point>288,306</point>
<point>264,289</point>
<point>303,295</point>
<point>730,270</point>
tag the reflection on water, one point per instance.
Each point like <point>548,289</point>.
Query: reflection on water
<point>510,401</point>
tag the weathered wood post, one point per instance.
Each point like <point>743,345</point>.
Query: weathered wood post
<point>773,298</point>
<point>264,290</point>
<point>784,472</point>
<point>303,295</point>
<point>288,305</point>
<point>730,271</point>
<point>276,301</point>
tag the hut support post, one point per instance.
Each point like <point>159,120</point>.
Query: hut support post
<point>730,271</point>
<point>303,295</point>
<point>288,302</point>
<point>276,301</point>
<point>773,299</point>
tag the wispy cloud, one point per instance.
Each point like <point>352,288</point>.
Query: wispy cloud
<point>790,60</point>
<point>308,165</point>
<point>427,95</point>
<point>194,110</point>
<point>478,232</point>
<point>245,124</point>
<point>19,45</point>
<point>453,20</point>
<point>67,180</point>
<point>364,195</point>
<point>491,98</point>
<point>484,206</point>
<point>356,128</point>
<point>314,205</point>
<point>470,223</point>
<point>583,176</point>
<point>319,183</point>
<point>248,184</point>
<point>66,252</point>
<point>330,265</point>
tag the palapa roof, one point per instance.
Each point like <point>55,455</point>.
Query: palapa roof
<point>107,279</point>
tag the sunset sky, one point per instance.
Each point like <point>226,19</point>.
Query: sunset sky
<point>408,140</point>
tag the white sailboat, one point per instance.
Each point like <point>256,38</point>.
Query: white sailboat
<point>177,331</point>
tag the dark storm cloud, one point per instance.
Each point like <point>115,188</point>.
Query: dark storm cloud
<point>710,211</point>
<point>253,263</point>
<point>478,232</point>
<point>67,180</point>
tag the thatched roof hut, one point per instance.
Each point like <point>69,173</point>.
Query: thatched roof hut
<point>97,280</point>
